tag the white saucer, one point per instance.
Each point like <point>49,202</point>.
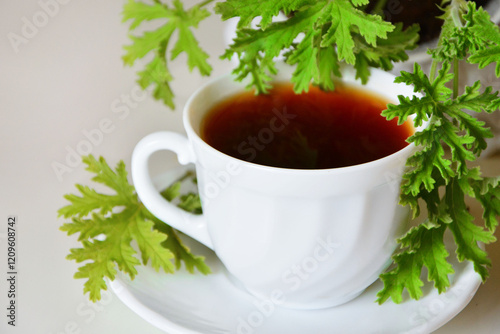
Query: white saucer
<point>193,303</point>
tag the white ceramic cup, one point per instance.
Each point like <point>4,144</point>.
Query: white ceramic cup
<point>299,238</point>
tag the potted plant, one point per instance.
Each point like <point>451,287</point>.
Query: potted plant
<point>316,37</point>
<point>409,13</point>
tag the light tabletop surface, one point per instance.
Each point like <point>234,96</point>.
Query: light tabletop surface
<point>59,80</point>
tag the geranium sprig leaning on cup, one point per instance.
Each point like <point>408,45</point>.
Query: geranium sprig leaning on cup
<point>467,35</point>
<point>335,32</point>
<point>106,224</point>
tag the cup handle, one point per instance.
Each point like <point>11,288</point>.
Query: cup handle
<point>193,225</point>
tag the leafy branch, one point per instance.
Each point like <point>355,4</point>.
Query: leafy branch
<point>467,34</point>
<point>317,37</point>
<point>156,42</point>
<point>107,224</point>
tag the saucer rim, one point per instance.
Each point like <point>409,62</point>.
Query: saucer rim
<point>121,287</point>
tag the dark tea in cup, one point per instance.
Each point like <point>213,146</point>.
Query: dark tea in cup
<point>313,130</point>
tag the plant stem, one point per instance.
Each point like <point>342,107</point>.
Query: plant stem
<point>200,5</point>
<point>204,3</point>
<point>456,13</point>
<point>456,16</point>
<point>456,77</point>
<point>379,7</point>
<point>433,73</point>
<point>186,175</point>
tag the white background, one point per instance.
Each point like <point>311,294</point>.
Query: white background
<point>62,81</point>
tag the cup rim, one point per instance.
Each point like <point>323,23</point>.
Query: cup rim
<point>401,154</point>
